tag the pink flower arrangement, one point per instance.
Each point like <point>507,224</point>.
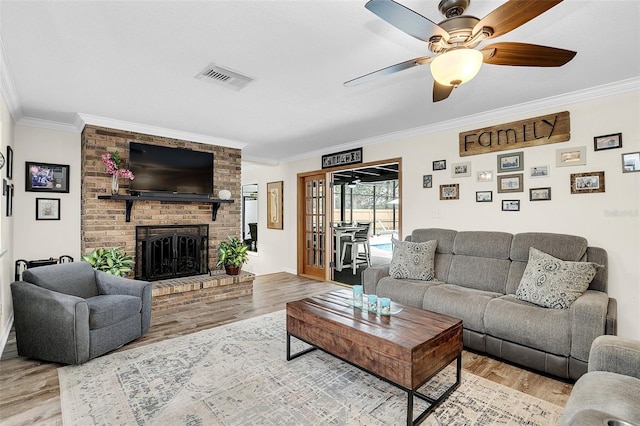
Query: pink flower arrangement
<point>113,162</point>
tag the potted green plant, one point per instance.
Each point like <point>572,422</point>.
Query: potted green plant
<point>112,261</point>
<point>232,253</point>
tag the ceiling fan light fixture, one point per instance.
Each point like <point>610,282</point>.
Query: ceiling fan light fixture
<point>456,67</point>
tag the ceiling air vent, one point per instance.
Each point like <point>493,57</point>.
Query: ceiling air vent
<point>224,77</point>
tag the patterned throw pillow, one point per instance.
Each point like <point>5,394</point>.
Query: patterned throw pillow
<point>554,283</point>
<point>413,260</point>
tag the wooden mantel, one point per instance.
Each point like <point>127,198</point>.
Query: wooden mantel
<point>129,199</point>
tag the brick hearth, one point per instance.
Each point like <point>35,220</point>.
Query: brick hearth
<point>217,286</point>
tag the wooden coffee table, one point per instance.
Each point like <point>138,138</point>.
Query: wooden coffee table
<point>406,349</point>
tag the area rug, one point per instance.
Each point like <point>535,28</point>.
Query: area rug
<point>237,374</point>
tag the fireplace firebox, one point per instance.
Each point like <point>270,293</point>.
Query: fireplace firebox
<point>171,251</point>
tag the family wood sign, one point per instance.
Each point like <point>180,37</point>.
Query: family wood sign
<point>546,129</point>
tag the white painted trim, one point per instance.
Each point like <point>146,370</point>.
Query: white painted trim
<point>2,252</point>
<point>558,101</point>
<point>158,131</point>
<point>8,87</point>
<point>48,124</point>
<point>5,333</point>
<point>291,271</point>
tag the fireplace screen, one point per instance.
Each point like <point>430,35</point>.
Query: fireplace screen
<point>171,251</point>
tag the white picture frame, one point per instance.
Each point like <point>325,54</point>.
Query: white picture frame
<point>484,176</point>
<point>461,169</point>
<point>576,156</point>
<point>539,171</point>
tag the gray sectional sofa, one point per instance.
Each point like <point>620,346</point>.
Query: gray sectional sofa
<point>477,274</point>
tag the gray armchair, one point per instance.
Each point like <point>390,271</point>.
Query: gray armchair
<point>70,313</point>
<point>609,394</point>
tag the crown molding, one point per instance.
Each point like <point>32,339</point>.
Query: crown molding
<point>611,89</point>
<point>48,124</point>
<point>157,131</point>
<point>9,93</point>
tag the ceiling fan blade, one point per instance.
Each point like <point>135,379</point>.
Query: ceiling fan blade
<point>389,70</point>
<point>512,14</point>
<point>526,55</point>
<point>441,92</point>
<point>406,19</point>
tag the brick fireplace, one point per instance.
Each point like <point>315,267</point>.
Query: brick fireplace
<point>103,221</point>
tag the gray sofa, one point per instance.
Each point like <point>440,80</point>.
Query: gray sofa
<point>477,274</point>
<point>609,394</point>
<point>70,313</point>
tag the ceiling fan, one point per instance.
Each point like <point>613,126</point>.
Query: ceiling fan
<point>454,41</point>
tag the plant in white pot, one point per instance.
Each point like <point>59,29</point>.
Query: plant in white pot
<point>232,253</point>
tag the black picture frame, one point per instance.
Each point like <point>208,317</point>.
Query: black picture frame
<point>427,181</point>
<point>510,205</point>
<point>484,196</point>
<point>540,194</point>
<point>439,165</point>
<point>47,208</point>
<point>46,177</point>
<point>611,141</point>
<point>9,210</point>
<point>9,162</point>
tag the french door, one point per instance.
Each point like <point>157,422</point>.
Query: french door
<point>312,196</point>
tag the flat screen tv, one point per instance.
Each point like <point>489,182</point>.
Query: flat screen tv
<point>159,169</point>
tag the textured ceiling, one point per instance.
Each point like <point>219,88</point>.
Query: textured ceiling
<point>135,62</point>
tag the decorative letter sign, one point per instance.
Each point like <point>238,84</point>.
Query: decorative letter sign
<point>343,158</point>
<point>542,130</point>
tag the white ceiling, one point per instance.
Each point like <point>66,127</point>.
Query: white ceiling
<point>134,63</point>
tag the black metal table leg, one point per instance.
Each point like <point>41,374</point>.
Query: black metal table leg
<point>296,355</point>
<point>433,402</point>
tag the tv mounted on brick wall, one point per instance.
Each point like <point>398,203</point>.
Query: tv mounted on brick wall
<point>163,170</point>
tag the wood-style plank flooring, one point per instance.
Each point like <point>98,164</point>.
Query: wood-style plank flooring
<point>30,393</point>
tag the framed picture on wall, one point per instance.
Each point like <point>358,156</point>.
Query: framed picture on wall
<point>9,162</point>
<point>541,171</point>
<point>540,194</point>
<point>45,177</point>
<point>510,183</point>
<point>484,176</point>
<point>484,196</point>
<point>439,165</point>
<point>585,183</point>
<point>274,205</point>
<point>450,192</point>
<point>510,205</point>
<point>47,208</point>
<point>512,162</point>
<point>571,156</point>
<point>9,210</point>
<point>461,169</point>
<point>607,142</point>
<point>631,162</point>
<point>427,181</point>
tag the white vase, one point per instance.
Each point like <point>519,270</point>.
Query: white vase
<point>115,185</point>
<point>224,194</point>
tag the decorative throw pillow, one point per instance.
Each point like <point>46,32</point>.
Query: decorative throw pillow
<point>413,260</point>
<point>554,283</point>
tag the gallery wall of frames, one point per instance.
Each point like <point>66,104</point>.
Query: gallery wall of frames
<point>511,176</point>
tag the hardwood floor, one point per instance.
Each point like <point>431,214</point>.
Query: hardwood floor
<point>30,393</point>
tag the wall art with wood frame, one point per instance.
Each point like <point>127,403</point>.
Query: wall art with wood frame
<point>587,183</point>
<point>275,205</point>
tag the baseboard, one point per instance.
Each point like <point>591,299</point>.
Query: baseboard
<point>5,334</point>
<point>291,271</point>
